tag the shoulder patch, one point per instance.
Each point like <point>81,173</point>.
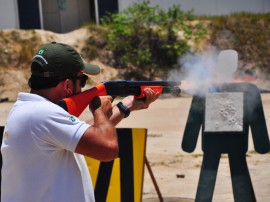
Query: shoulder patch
<point>72,118</point>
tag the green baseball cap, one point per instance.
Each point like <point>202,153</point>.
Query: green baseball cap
<point>60,60</point>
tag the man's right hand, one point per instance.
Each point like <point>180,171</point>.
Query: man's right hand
<point>104,103</point>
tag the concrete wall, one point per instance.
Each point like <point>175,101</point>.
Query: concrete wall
<point>8,14</point>
<point>58,16</point>
<point>65,16</point>
<point>209,7</point>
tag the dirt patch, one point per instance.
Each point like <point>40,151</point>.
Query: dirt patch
<point>18,48</point>
<point>177,172</point>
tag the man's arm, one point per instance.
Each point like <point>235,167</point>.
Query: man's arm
<point>100,140</point>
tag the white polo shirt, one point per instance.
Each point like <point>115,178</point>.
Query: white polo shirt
<point>39,163</point>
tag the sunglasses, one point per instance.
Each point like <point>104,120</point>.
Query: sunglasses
<point>82,79</point>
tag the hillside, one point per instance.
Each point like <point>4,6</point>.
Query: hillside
<point>19,46</point>
<point>247,34</point>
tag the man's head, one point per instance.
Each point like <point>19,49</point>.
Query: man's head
<point>55,62</point>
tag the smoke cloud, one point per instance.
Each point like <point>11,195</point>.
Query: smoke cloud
<point>199,71</point>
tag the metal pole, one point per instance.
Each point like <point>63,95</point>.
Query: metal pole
<point>154,180</point>
<point>96,12</point>
<point>41,14</point>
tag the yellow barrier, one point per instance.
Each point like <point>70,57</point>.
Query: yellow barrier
<point>121,180</point>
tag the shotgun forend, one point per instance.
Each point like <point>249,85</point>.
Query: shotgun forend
<point>76,104</point>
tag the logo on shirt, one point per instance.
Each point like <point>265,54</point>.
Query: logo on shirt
<point>72,118</point>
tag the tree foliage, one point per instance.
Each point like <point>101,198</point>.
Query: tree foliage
<point>149,40</point>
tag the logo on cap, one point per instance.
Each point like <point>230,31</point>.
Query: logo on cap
<point>41,51</point>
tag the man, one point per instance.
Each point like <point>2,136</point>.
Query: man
<point>43,145</point>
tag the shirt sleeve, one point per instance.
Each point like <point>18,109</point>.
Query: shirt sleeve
<point>52,128</point>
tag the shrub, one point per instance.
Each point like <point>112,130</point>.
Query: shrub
<point>149,40</point>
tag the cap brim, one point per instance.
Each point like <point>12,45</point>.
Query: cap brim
<point>91,69</point>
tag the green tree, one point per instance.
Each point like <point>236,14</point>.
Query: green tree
<point>148,40</point>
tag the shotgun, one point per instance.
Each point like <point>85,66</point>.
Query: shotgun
<point>76,104</point>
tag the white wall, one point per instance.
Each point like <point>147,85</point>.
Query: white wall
<point>75,12</point>
<point>9,14</point>
<point>209,7</point>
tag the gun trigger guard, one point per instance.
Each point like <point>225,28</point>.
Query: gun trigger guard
<point>140,96</point>
<point>143,98</point>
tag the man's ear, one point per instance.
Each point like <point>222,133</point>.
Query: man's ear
<point>69,91</point>
<point>67,88</point>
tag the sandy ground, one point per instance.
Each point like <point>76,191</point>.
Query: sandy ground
<point>165,121</point>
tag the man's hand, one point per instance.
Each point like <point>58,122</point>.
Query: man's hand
<point>134,104</point>
<point>137,104</point>
<point>104,103</point>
